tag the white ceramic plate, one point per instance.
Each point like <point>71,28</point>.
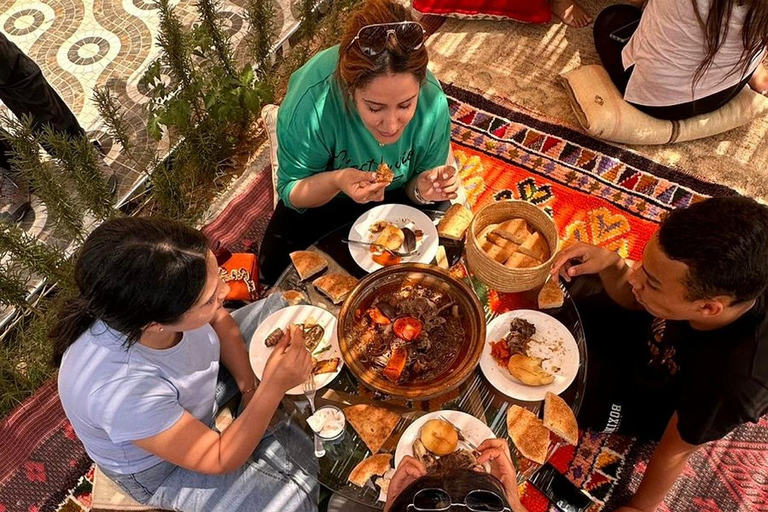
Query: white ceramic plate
<point>558,348</point>
<point>259,352</point>
<point>401,216</point>
<point>473,429</point>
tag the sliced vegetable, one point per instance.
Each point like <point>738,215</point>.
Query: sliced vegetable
<point>378,317</point>
<point>396,364</point>
<point>386,259</point>
<point>407,328</point>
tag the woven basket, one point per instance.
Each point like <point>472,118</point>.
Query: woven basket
<point>493,273</point>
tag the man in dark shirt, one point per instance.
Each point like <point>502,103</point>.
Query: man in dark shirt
<point>678,345</point>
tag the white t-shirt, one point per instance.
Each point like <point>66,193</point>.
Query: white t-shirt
<point>113,396</point>
<point>667,49</point>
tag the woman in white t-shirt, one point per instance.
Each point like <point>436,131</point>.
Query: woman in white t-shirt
<point>680,58</point>
<point>140,351</point>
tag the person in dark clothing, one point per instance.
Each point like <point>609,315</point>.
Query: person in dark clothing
<point>677,345</point>
<point>25,91</point>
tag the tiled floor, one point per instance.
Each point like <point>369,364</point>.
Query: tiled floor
<point>81,44</point>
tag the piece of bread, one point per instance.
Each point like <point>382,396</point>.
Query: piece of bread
<point>441,258</point>
<point>500,254</point>
<point>520,260</point>
<point>551,295</point>
<point>374,465</point>
<point>439,437</point>
<point>536,246</point>
<point>528,370</point>
<point>482,238</point>
<point>384,174</point>
<point>455,222</point>
<point>326,366</point>
<point>559,418</point>
<point>516,230</point>
<point>294,297</point>
<point>308,263</point>
<point>335,286</point>
<point>391,237</point>
<point>373,424</point>
<point>528,433</point>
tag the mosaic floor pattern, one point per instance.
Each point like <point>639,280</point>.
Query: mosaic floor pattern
<point>82,44</point>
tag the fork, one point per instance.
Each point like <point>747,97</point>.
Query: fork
<point>309,391</point>
<point>401,254</point>
<point>462,437</point>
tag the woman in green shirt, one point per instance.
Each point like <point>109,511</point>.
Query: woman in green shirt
<point>368,101</point>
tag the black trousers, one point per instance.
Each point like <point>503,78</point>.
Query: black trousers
<point>25,91</point>
<point>289,230</point>
<point>618,16</point>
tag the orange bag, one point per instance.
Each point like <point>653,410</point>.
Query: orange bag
<point>241,272</point>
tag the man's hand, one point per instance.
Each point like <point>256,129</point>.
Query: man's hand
<point>496,452</point>
<point>361,186</point>
<point>408,471</point>
<point>591,260</point>
<point>439,184</point>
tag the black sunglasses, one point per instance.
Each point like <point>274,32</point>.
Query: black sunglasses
<point>437,500</point>
<point>372,39</point>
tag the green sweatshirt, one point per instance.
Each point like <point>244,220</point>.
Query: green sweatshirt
<point>318,132</point>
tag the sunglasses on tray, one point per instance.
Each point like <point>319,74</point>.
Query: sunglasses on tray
<point>438,500</point>
<point>372,39</point>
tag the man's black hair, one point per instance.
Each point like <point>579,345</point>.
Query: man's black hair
<point>724,242</point>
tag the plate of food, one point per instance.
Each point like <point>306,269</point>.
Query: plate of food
<point>528,353</point>
<point>319,328</point>
<point>437,443</point>
<point>396,227</point>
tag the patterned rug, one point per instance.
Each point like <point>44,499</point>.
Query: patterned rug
<point>596,193</point>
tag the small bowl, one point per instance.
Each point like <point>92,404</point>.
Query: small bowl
<point>343,425</point>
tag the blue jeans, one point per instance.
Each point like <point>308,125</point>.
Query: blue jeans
<point>280,475</point>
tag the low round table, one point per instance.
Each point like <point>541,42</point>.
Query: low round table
<point>476,396</point>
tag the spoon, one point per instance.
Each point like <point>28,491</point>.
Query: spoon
<point>378,246</point>
<point>409,243</point>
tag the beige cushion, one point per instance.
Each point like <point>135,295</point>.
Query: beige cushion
<point>107,496</point>
<point>604,114</point>
<point>269,117</point>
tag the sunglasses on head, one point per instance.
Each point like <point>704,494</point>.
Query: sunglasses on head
<point>372,39</point>
<point>438,500</point>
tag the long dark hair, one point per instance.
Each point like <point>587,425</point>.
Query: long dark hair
<point>754,33</point>
<point>131,272</point>
<point>456,483</point>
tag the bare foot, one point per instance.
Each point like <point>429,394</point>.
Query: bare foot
<point>570,13</point>
<point>759,80</point>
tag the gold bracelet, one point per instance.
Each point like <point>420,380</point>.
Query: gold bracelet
<point>248,391</point>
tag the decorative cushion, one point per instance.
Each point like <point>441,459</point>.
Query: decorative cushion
<point>269,116</point>
<point>107,496</point>
<point>603,113</point>
<point>530,11</point>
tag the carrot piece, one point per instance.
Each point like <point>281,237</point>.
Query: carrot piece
<point>396,364</point>
<point>378,317</point>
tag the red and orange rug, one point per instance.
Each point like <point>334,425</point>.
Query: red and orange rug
<point>595,192</point>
